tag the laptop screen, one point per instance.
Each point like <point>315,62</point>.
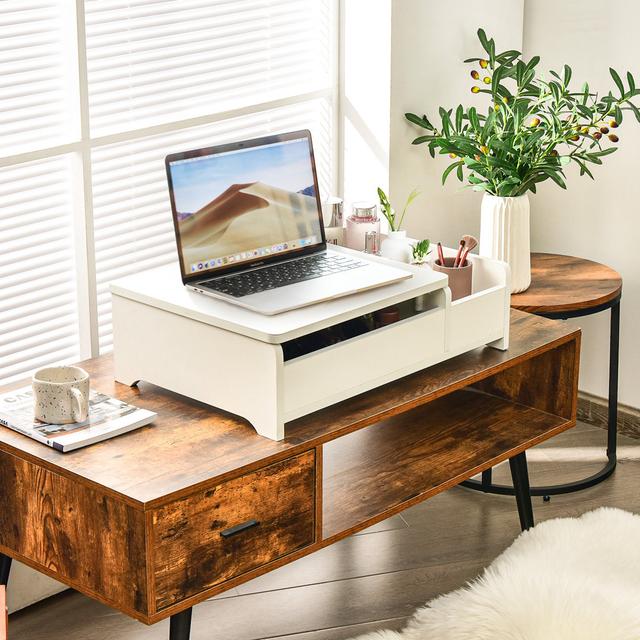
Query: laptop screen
<point>236,205</point>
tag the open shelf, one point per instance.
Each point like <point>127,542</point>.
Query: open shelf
<point>371,473</point>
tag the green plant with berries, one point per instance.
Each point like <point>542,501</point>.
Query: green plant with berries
<point>532,129</point>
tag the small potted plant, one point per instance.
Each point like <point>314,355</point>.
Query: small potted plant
<point>420,250</point>
<point>396,245</point>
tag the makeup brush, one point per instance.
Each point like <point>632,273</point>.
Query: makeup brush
<point>470,243</point>
<point>460,249</point>
<point>440,254</point>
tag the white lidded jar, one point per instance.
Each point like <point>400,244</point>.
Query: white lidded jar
<point>363,219</point>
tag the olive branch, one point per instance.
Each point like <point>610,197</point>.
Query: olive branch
<point>533,128</point>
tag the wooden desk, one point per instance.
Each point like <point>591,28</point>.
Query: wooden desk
<point>148,522</point>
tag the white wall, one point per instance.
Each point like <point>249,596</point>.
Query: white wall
<point>598,220</point>
<point>27,586</point>
<point>429,41</point>
<point>365,97</point>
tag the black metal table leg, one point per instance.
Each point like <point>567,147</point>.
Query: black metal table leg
<point>487,476</point>
<point>520,477</point>
<point>180,625</point>
<point>614,356</point>
<point>5,569</point>
<point>486,486</point>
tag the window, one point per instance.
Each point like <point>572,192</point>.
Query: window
<point>95,93</point>
<point>38,292</point>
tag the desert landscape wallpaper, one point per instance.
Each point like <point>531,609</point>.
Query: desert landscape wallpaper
<point>237,202</point>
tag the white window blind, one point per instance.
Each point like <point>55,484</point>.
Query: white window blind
<point>38,308</point>
<point>151,60</point>
<point>94,94</point>
<point>36,76</point>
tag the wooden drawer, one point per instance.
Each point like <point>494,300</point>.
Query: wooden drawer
<point>191,554</point>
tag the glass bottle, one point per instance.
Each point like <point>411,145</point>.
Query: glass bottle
<point>363,219</point>
<point>333,222</point>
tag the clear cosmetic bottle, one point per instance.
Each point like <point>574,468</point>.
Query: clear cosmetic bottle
<point>333,222</point>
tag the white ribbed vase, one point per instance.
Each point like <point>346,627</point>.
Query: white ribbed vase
<point>504,235</point>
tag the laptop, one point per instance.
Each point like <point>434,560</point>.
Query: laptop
<point>249,227</point>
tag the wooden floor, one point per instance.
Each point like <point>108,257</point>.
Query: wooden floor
<point>374,579</point>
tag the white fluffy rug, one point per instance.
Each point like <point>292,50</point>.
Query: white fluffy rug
<point>565,579</point>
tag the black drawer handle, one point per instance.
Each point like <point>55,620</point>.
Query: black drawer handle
<point>239,528</point>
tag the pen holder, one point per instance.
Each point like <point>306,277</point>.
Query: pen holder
<point>459,277</point>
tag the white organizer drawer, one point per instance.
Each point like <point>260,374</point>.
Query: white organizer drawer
<point>482,317</point>
<point>181,340</point>
<point>477,319</point>
<point>343,370</point>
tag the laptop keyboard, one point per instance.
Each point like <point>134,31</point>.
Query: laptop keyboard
<point>282,274</point>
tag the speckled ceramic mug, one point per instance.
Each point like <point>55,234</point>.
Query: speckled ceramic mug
<point>61,394</point>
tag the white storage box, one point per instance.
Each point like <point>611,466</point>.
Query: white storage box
<point>268,370</point>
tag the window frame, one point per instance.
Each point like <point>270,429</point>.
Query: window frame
<point>80,151</point>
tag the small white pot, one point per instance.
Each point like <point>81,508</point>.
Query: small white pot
<point>504,235</point>
<point>396,246</point>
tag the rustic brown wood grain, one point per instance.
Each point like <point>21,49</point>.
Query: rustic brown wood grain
<point>193,444</point>
<point>380,576</point>
<point>190,555</point>
<point>415,455</point>
<point>76,534</point>
<point>148,496</point>
<point>547,382</point>
<point>564,283</point>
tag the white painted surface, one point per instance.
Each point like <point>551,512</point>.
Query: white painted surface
<point>162,338</point>
<point>482,316</point>
<point>346,369</point>
<point>429,41</point>
<point>365,98</point>
<point>477,319</point>
<point>224,369</point>
<point>598,220</point>
<point>27,586</point>
<point>163,288</point>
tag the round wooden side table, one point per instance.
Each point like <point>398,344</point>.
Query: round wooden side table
<point>565,287</point>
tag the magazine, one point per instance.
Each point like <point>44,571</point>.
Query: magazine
<point>108,417</point>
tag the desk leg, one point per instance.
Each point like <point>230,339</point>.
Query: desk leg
<point>5,568</point>
<point>520,477</point>
<point>180,625</point>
